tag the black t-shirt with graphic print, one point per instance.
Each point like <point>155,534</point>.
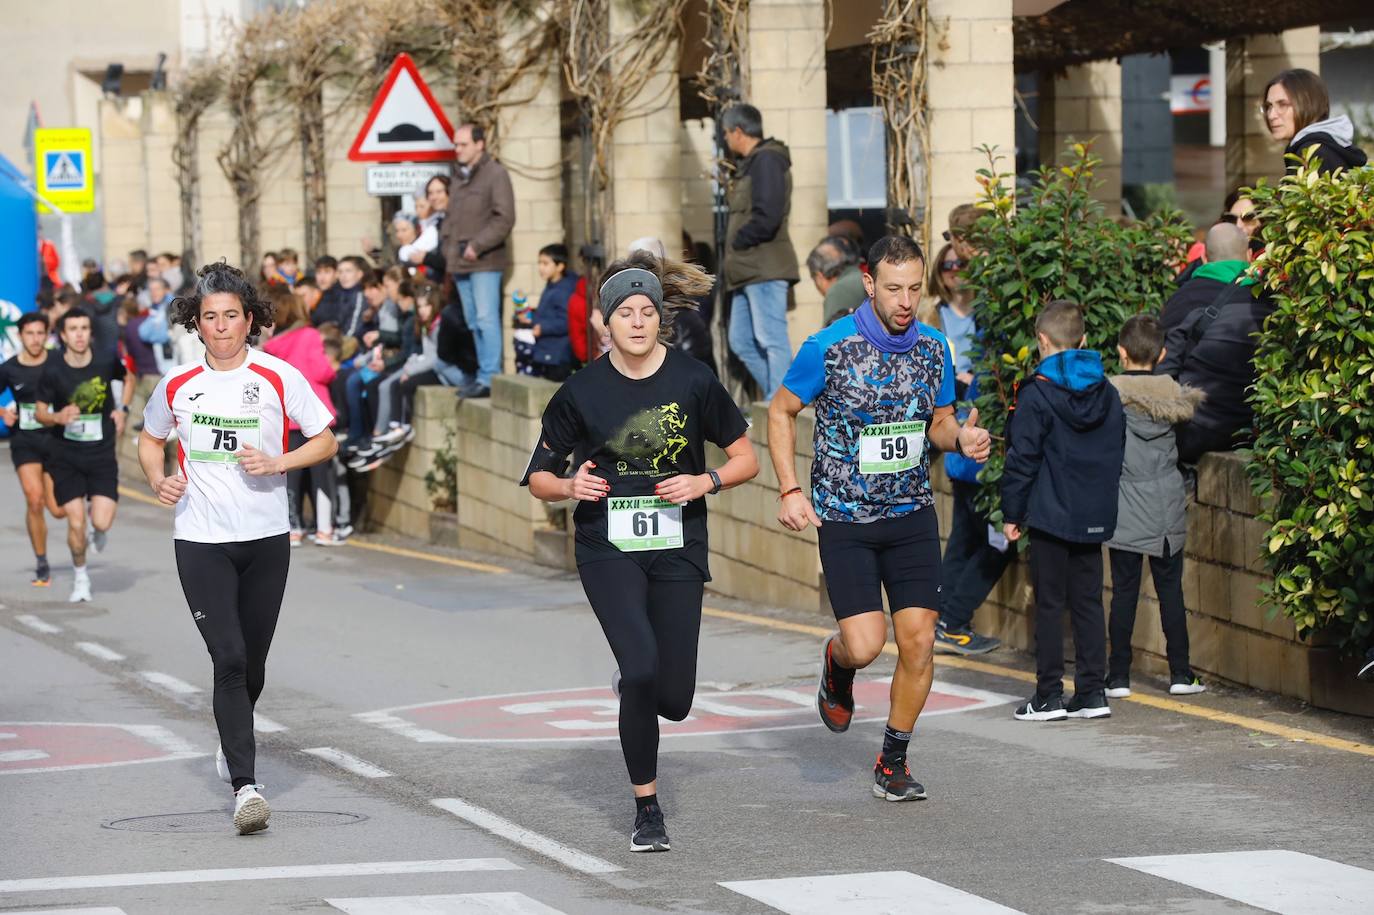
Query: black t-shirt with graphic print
<point>639,432</point>
<point>89,388</point>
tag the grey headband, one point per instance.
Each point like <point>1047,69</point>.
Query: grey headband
<point>626,283</point>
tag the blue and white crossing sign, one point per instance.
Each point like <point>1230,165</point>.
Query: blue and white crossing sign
<point>62,168</point>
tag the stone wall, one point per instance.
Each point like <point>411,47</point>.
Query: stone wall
<point>753,558</point>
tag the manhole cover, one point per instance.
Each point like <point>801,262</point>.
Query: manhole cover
<point>220,821</point>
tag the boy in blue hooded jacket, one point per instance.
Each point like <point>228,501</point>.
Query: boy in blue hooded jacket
<point>1065,444</point>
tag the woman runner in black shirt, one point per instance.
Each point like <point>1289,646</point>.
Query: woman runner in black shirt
<point>638,421</point>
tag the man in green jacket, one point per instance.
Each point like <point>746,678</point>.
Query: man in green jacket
<point>760,264</point>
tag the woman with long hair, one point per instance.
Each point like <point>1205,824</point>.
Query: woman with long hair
<point>640,419</point>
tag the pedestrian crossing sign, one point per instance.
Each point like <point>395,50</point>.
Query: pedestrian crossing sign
<point>62,169</point>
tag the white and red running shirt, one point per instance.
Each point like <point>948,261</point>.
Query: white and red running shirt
<point>214,415</point>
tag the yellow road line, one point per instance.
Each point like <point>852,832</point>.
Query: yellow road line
<point>1158,702</point>
<point>137,496</point>
<point>429,557</point>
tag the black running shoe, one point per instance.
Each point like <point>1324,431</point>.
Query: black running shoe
<point>650,833</point>
<point>1041,708</point>
<point>963,641</point>
<point>42,575</point>
<point>1089,705</point>
<point>892,780</point>
<point>835,696</point>
<point>1367,668</point>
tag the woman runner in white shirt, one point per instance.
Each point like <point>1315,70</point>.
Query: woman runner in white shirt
<point>230,412</point>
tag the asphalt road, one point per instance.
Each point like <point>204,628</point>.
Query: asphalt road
<point>437,735</point>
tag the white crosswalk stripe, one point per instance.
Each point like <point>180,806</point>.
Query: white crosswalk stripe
<point>458,904</point>
<point>1288,882</point>
<point>101,910</point>
<point>881,893</point>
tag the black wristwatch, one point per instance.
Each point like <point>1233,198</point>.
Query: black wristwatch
<point>715,478</point>
<point>124,408</point>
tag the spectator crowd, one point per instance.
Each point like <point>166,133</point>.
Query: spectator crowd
<point>426,308</point>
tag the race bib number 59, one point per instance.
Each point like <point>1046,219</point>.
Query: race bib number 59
<point>891,447</point>
<point>644,523</point>
<point>216,439</point>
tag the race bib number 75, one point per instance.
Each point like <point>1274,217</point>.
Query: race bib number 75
<point>891,447</point>
<point>644,523</point>
<point>216,439</point>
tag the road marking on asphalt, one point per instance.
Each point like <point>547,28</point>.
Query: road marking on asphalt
<point>428,557</point>
<point>168,682</point>
<point>230,874</point>
<point>526,838</point>
<point>1274,880</point>
<point>348,762</point>
<point>264,725</point>
<point>864,894</point>
<point>398,725</point>
<point>58,745</point>
<point>1169,705</point>
<point>34,623</point>
<point>96,650</point>
<point>104,910</point>
<point>459,904</point>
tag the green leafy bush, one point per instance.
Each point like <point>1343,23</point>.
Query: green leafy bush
<point>1057,243</point>
<point>441,480</point>
<point>1312,463</point>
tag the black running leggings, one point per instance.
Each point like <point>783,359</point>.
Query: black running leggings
<point>234,591</point>
<point>652,627</point>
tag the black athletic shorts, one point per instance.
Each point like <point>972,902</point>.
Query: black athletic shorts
<point>898,555</point>
<point>30,449</point>
<point>81,472</point>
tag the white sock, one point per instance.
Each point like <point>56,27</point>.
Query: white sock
<point>80,571</point>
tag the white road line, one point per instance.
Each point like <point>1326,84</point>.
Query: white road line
<point>882,893</point>
<point>348,762</point>
<point>168,682</point>
<point>526,838</point>
<point>399,725</point>
<point>173,747</point>
<point>21,755</point>
<point>228,874</point>
<point>104,910</point>
<point>264,725</point>
<point>1275,880</point>
<point>96,650</point>
<point>33,622</point>
<point>460,904</point>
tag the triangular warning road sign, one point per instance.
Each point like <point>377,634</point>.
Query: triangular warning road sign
<point>405,123</point>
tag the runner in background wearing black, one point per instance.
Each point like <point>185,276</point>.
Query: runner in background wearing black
<point>230,412</point>
<point>638,420</point>
<point>30,441</point>
<point>75,393</point>
<point>883,387</point>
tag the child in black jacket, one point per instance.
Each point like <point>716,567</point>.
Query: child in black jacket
<point>1065,443</point>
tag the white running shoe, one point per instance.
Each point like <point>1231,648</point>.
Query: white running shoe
<point>99,539</point>
<point>81,590</point>
<point>222,765</point>
<point>250,810</point>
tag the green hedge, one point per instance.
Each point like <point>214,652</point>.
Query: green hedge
<point>1313,464</point>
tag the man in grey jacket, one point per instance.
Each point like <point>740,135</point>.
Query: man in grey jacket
<point>481,214</point>
<point>1151,517</point>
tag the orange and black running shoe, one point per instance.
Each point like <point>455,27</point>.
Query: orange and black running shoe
<point>835,698</point>
<point>42,576</point>
<point>892,780</point>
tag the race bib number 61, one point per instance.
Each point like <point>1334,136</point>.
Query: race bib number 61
<point>216,439</point>
<point>891,447</point>
<point>644,523</point>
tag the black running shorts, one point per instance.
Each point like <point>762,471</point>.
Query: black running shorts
<point>30,449</point>
<point>80,472</point>
<point>898,555</point>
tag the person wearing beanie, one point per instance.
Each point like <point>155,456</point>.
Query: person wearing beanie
<point>641,418</point>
